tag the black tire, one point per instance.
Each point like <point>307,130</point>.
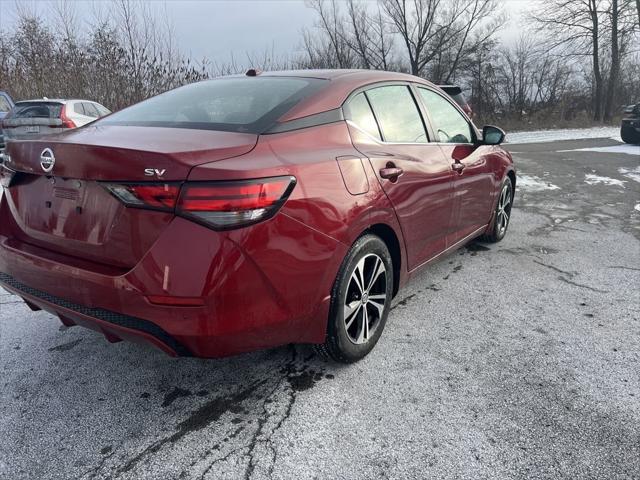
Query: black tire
<point>347,340</point>
<point>500,222</point>
<point>629,135</point>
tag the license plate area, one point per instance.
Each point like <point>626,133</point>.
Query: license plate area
<point>33,129</point>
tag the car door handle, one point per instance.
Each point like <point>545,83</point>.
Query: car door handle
<point>458,167</point>
<point>391,173</point>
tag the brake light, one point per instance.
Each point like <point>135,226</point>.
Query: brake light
<point>154,196</point>
<point>66,121</point>
<point>225,205</point>
<point>217,205</point>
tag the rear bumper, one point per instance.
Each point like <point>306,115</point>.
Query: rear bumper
<point>114,326</point>
<point>256,293</point>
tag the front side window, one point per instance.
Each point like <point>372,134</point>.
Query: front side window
<point>359,112</point>
<point>241,104</point>
<point>397,114</point>
<point>448,122</point>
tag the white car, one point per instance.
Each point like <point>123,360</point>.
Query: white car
<point>43,116</point>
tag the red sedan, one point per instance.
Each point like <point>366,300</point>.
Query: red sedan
<point>251,211</point>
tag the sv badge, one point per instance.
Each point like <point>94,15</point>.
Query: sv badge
<point>150,172</point>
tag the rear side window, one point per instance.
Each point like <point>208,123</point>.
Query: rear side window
<point>77,107</point>
<point>448,122</point>
<point>90,110</point>
<point>397,114</point>
<point>36,110</point>
<point>4,104</point>
<point>240,104</point>
<point>359,112</point>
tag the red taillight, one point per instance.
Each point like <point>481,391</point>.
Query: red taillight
<point>66,121</point>
<point>224,205</point>
<point>218,205</point>
<point>156,196</point>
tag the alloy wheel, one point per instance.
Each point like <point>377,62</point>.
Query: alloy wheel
<point>365,298</point>
<point>504,210</point>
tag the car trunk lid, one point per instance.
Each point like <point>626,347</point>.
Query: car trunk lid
<point>68,210</point>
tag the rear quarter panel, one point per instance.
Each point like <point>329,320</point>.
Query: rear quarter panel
<point>320,204</point>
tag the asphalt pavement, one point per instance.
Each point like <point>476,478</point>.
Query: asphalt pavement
<point>514,360</point>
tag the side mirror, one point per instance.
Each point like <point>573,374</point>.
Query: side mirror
<point>492,135</point>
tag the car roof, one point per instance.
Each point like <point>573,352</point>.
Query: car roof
<point>55,100</point>
<point>341,83</point>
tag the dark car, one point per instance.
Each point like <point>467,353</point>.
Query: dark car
<point>630,129</point>
<point>455,92</point>
<point>6,104</point>
<point>249,212</point>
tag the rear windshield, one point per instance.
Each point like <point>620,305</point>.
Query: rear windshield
<point>241,104</point>
<point>36,110</point>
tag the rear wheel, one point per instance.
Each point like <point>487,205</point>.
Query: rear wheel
<point>502,215</point>
<point>629,135</point>
<point>360,301</point>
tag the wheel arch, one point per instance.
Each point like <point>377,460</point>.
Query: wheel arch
<point>512,176</point>
<point>391,240</point>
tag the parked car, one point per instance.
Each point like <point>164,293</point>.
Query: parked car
<point>252,211</point>
<point>455,92</point>
<point>45,116</point>
<point>630,128</point>
<point>6,104</point>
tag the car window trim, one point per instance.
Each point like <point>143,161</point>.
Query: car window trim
<point>472,127</point>
<point>375,119</point>
<point>370,86</point>
<point>317,119</point>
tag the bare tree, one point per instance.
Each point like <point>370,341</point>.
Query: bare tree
<point>614,72</point>
<point>332,49</point>
<point>574,29</point>
<point>427,27</point>
<point>369,36</point>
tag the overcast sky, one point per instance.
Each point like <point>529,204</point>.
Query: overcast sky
<point>220,29</point>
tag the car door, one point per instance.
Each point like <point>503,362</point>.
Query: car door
<point>387,127</point>
<point>473,186</point>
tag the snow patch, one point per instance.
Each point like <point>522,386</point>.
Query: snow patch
<point>637,207</point>
<point>531,183</point>
<point>626,149</point>
<point>631,173</point>
<point>541,136</point>
<point>592,179</point>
